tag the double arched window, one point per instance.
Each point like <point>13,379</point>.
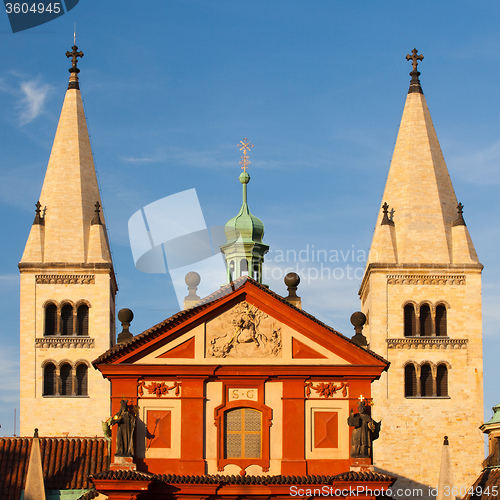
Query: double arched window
<point>425,320</point>
<point>426,380</point>
<point>66,319</point>
<point>65,379</point>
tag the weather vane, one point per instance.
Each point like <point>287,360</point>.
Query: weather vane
<point>245,145</point>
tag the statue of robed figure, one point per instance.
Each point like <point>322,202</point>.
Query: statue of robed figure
<point>365,431</point>
<point>125,422</point>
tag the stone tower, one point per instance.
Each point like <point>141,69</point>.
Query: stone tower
<point>68,288</point>
<point>244,251</point>
<point>421,293</point>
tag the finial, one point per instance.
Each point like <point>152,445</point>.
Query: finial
<point>39,218</point>
<point>74,54</point>
<point>358,320</point>
<point>244,146</point>
<point>292,281</point>
<point>459,221</point>
<point>386,220</point>
<point>415,82</point>
<point>192,280</point>
<point>97,217</point>
<point>125,316</point>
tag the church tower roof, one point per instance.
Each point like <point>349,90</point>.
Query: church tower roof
<point>70,191</point>
<point>244,250</point>
<point>424,225</point>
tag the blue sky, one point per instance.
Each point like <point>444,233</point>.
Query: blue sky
<point>319,87</point>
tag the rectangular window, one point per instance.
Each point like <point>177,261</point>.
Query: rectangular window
<point>243,433</point>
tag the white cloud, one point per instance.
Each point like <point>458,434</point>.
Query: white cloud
<point>34,94</point>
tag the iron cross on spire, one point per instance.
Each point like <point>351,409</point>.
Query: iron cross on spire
<point>74,54</point>
<point>415,58</point>
<point>245,145</point>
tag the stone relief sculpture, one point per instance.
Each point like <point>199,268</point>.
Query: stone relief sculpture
<point>243,332</point>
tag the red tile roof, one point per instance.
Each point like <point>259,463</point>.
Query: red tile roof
<point>487,485</point>
<point>66,462</point>
<point>264,480</point>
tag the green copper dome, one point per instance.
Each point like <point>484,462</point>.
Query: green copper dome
<point>245,227</point>
<point>244,250</point>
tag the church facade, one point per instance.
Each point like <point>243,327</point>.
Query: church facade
<point>243,392</point>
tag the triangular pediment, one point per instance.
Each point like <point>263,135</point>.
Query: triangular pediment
<point>247,325</point>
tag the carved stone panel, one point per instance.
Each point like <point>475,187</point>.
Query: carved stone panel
<point>243,332</point>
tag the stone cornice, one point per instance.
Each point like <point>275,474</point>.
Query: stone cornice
<point>444,269</point>
<point>427,343</point>
<point>426,279</point>
<point>66,341</point>
<point>65,279</point>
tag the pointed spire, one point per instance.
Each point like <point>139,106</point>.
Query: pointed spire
<point>420,191</point>
<point>70,190</point>
<point>39,218</point>
<point>244,250</point>
<point>446,479</point>
<point>415,82</point>
<point>35,488</point>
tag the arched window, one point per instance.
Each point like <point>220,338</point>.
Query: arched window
<point>441,327</point>
<point>425,380</point>
<point>243,433</point>
<point>65,380</point>
<point>81,380</point>
<point>50,320</point>
<point>82,320</point>
<point>410,381</point>
<point>410,321</point>
<point>49,380</point>
<point>425,321</point>
<point>243,267</point>
<point>442,381</point>
<point>67,320</point>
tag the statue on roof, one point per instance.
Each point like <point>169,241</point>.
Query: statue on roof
<point>365,431</point>
<point>125,421</point>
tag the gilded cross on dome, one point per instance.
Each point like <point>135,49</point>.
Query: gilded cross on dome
<point>74,54</point>
<point>414,58</point>
<point>245,145</point>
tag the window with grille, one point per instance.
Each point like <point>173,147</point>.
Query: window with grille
<point>65,380</point>
<point>410,321</point>
<point>425,321</point>
<point>81,380</point>
<point>441,327</point>
<point>67,320</point>
<point>442,380</point>
<point>243,433</point>
<point>50,320</point>
<point>82,320</point>
<point>410,381</point>
<point>49,380</point>
<point>426,380</point>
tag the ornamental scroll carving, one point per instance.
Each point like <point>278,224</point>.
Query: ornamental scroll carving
<point>326,389</point>
<point>159,389</point>
<point>65,279</point>
<point>425,279</point>
<point>243,332</point>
